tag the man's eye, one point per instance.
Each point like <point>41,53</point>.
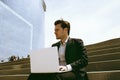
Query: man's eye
<point>56,30</point>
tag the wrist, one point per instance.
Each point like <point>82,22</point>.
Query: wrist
<point>69,67</point>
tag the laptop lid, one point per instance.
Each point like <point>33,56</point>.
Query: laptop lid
<point>44,60</point>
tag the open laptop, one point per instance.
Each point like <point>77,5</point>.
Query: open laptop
<point>44,60</point>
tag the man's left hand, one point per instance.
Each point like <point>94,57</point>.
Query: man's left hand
<point>63,68</point>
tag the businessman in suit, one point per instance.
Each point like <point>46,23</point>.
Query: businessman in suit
<point>72,54</point>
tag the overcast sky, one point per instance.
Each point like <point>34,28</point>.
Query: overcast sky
<point>91,20</point>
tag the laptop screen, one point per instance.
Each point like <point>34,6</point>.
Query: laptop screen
<point>44,60</point>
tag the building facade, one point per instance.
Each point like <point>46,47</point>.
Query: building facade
<point>21,27</point>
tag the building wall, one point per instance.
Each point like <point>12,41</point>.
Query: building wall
<point>21,27</point>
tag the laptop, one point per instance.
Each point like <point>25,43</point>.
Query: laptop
<point>44,60</point>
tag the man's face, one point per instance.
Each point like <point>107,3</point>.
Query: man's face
<point>59,31</point>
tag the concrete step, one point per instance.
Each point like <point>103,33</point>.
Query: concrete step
<point>104,44</point>
<point>19,66</point>
<point>99,75</point>
<point>104,65</point>
<point>104,51</point>
<point>15,71</point>
<point>14,77</point>
<point>21,61</point>
<point>104,57</point>
<point>104,75</point>
<point>92,66</point>
<point>102,47</point>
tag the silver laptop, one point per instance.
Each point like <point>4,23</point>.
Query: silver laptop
<point>44,60</point>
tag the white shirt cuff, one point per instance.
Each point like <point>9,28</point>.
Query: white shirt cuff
<point>69,67</point>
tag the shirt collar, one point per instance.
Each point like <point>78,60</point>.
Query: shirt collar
<point>65,41</point>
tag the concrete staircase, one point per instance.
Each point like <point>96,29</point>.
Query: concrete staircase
<point>104,63</point>
<point>104,60</point>
<point>16,70</point>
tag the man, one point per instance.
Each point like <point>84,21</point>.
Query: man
<point>72,54</point>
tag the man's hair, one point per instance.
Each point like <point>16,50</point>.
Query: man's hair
<point>64,24</point>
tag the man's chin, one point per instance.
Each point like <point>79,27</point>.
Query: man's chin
<point>57,38</point>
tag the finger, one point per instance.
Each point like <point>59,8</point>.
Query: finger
<point>62,69</point>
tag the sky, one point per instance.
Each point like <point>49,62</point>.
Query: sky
<point>93,21</point>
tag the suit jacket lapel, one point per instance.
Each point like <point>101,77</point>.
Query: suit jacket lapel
<point>58,45</point>
<point>68,43</point>
<point>67,46</point>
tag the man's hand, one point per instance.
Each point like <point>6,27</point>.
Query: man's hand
<point>63,68</point>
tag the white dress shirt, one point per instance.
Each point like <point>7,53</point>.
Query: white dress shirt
<point>61,51</point>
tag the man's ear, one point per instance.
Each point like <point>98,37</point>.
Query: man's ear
<point>66,29</point>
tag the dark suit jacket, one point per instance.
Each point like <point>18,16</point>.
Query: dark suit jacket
<point>75,55</point>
